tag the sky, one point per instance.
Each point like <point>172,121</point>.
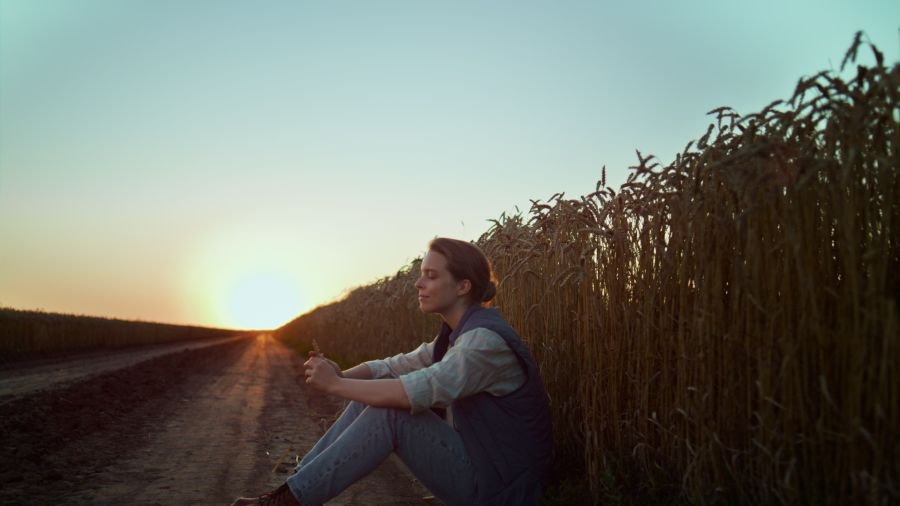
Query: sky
<point>235,164</point>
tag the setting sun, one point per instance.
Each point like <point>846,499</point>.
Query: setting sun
<point>245,276</point>
<point>261,301</point>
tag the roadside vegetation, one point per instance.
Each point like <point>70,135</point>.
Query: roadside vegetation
<point>25,334</point>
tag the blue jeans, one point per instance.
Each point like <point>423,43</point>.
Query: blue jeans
<point>364,436</point>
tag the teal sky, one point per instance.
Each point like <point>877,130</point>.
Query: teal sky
<point>237,163</point>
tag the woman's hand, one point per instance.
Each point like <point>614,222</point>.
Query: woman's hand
<point>337,368</point>
<point>325,375</point>
<point>321,372</point>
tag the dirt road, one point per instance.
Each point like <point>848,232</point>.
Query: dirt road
<point>200,426</point>
<point>19,380</point>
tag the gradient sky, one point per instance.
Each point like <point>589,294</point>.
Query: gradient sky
<point>235,163</point>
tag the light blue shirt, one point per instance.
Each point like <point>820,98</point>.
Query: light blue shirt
<point>478,361</point>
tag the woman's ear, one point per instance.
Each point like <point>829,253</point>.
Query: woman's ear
<point>463,287</point>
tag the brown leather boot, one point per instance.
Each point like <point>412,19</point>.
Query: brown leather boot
<point>281,496</point>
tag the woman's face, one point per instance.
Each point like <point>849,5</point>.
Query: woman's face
<point>438,290</point>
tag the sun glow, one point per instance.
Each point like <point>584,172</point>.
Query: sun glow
<point>247,274</point>
<point>261,301</point>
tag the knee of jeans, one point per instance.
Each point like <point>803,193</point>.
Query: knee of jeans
<point>388,413</point>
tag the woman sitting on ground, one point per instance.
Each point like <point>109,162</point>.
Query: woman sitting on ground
<point>493,444</point>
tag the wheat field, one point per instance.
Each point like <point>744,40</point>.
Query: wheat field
<point>32,334</point>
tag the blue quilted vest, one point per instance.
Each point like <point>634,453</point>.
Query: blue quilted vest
<point>508,438</point>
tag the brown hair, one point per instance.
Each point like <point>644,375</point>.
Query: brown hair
<point>466,261</point>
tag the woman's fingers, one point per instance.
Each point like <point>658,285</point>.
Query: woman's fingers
<point>336,367</point>
<point>310,365</point>
<point>321,359</point>
<point>318,373</point>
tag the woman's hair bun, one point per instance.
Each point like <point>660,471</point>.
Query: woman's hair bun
<point>489,291</point>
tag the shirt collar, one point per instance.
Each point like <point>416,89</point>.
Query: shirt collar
<point>462,322</point>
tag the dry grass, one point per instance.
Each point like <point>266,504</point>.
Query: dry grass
<point>32,333</point>
<point>725,327</point>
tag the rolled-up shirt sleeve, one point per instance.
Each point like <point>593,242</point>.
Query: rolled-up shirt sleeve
<point>403,363</point>
<point>480,360</point>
